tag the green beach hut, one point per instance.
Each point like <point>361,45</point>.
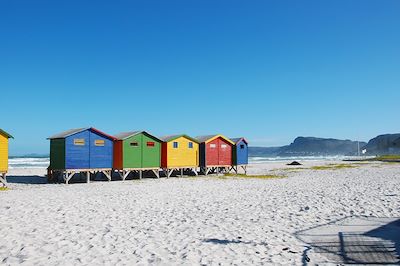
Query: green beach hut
<point>137,151</point>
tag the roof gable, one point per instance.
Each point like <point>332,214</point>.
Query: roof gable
<point>71,132</point>
<point>237,140</point>
<point>209,138</point>
<point>174,137</point>
<point>5,134</point>
<point>126,135</point>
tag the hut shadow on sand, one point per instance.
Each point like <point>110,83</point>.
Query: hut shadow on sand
<point>353,240</point>
<point>32,179</point>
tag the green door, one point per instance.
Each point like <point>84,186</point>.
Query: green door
<point>151,152</point>
<point>133,152</point>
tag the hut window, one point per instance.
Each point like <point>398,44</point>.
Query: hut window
<point>134,144</point>
<point>150,144</point>
<point>213,145</point>
<point>223,146</point>
<point>175,144</point>
<point>242,146</point>
<point>190,145</point>
<point>79,142</point>
<point>99,142</point>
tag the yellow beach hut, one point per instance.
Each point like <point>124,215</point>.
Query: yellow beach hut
<point>4,136</point>
<point>179,153</point>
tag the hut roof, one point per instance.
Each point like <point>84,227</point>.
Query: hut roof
<point>2,132</point>
<point>173,137</point>
<point>74,131</point>
<point>237,140</point>
<point>125,135</point>
<point>208,138</point>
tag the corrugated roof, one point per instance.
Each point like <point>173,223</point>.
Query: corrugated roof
<point>236,140</point>
<point>125,135</point>
<point>71,132</point>
<point>68,133</point>
<point>172,137</point>
<point>208,138</point>
<point>205,137</point>
<point>2,132</point>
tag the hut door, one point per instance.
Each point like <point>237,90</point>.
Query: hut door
<point>224,152</point>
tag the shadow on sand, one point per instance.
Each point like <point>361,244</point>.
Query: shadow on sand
<point>354,240</point>
<point>33,179</point>
<point>230,241</point>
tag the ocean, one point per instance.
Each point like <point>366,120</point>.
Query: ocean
<point>32,162</point>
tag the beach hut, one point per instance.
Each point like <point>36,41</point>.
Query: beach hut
<point>4,136</point>
<point>179,152</point>
<point>240,155</point>
<point>137,151</point>
<point>82,150</point>
<point>215,153</point>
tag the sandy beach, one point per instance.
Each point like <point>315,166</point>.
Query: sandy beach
<point>306,217</point>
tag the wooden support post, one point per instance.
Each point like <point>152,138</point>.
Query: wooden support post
<point>169,171</point>
<point>3,179</point>
<point>126,174</point>
<point>195,171</point>
<point>217,171</point>
<point>140,174</point>
<point>181,172</point>
<point>107,173</point>
<point>156,172</point>
<point>68,177</point>
<point>88,177</point>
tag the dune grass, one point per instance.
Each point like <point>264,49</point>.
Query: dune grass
<point>254,176</point>
<point>4,188</point>
<point>333,166</point>
<point>387,157</point>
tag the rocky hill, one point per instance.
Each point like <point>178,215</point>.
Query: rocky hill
<point>310,146</point>
<point>383,144</point>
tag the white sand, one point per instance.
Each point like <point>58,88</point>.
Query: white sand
<point>189,221</point>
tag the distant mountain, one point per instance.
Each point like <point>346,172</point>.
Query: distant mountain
<point>383,144</point>
<point>264,151</point>
<point>310,146</point>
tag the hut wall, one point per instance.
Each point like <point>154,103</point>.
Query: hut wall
<point>151,152</point>
<point>3,153</point>
<point>77,151</point>
<point>118,154</point>
<point>241,153</point>
<point>132,152</point>
<point>101,151</point>
<point>224,152</point>
<point>217,152</point>
<point>57,154</point>
<point>182,155</point>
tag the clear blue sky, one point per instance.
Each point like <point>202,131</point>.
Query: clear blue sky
<point>267,70</point>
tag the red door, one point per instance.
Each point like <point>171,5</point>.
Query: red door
<point>212,152</point>
<point>225,152</point>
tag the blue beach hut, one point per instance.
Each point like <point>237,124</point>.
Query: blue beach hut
<point>81,150</point>
<point>240,157</point>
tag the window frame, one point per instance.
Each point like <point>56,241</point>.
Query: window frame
<point>79,142</point>
<point>134,144</point>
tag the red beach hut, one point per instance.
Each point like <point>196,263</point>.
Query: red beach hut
<point>215,153</point>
